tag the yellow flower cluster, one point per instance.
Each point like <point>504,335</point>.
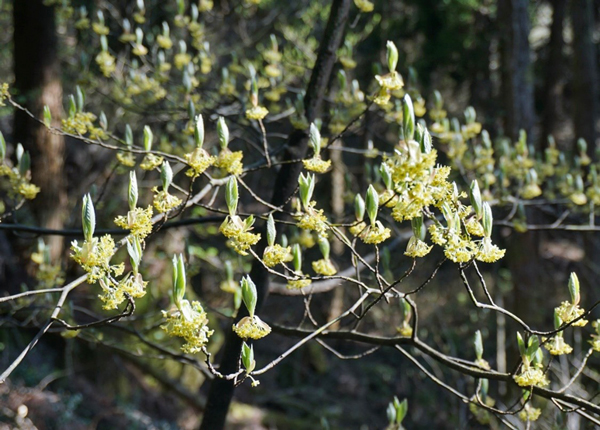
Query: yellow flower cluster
<point>199,160</point>
<point>405,329</point>
<point>164,202</point>
<point>230,161</point>
<point>358,228</point>
<point>112,296</point>
<point>568,311</point>
<point>151,161</point>
<point>138,221</point>
<point>317,164</point>
<point>313,219</point>
<point>20,185</point>
<point>257,112</point>
<point>191,323</point>
<point>94,257</point>
<point>531,376</point>
<point>529,413</point>
<point>277,254</point>
<point>297,284</point>
<point>81,123</point>
<point>364,5</point>
<point>558,346</point>
<point>127,159</point>
<point>3,93</point>
<point>489,253</point>
<point>251,328</point>
<point>238,233</point>
<point>229,286</point>
<point>324,267</point>
<point>48,275</point>
<point>417,248</point>
<point>375,233</point>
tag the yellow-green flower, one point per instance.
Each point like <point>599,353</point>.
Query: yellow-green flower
<point>277,254</point>
<point>567,312</point>
<point>238,233</point>
<point>324,267</point>
<point>358,228</point>
<point>127,159</point>
<point>164,202</point>
<point>296,284</point>
<point>364,5</point>
<point>229,286</point>
<point>317,164</point>
<point>94,257</point>
<point>375,233</point>
<point>138,222</point>
<point>199,160</point>
<point>257,112</point>
<point>189,322</point>
<point>529,413</point>
<point>151,162</point>
<point>417,248</point>
<point>489,253</point>
<point>313,219</point>
<point>251,328</point>
<point>392,81</point>
<point>230,161</point>
<point>106,63</point>
<point>558,346</point>
<point>531,376</point>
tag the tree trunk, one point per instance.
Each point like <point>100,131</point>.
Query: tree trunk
<point>221,391</point>
<point>585,78</point>
<point>555,69</point>
<point>37,83</point>
<point>517,88</point>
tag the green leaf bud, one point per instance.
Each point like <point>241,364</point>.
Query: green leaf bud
<point>128,136</point>
<point>372,203</point>
<point>249,294</point>
<point>386,175</point>
<point>179,280</point>
<point>148,138</point>
<point>359,207</point>
<point>408,118</point>
<point>132,194</point>
<point>307,187</point>
<point>223,132</point>
<point>475,197</point>
<point>248,357</point>
<point>47,116</point>
<point>488,219</point>
<point>324,246</point>
<point>521,344</point>
<point>392,56</point>
<point>88,218</point>
<point>574,288</point>
<point>271,230</point>
<point>72,106</point>
<point>315,138</point>
<point>80,98</point>
<point>297,258</point>
<point>166,175</point>
<point>478,343</point>
<point>199,131</point>
<point>103,121</point>
<point>231,195</point>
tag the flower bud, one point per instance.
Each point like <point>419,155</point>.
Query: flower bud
<point>248,357</point>
<point>392,55</point>
<point>223,132</point>
<point>372,203</point>
<point>166,175</point>
<point>231,195</point>
<point>133,191</point>
<point>488,219</point>
<point>199,131</point>
<point>148,137</point>
<point>408,118</point>
<point>315,138</point>
<point>271,230</point>
<point>359,207</point>
<point>475,196</point>
<point>249,294</point>
<point>88,217</point>
<point>574,288</point>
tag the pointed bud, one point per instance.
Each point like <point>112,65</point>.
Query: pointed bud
<point>408,118</point>
<point>231,195</point>
<point>372,203</point>
<point>47,116</point>
<point>574,288</point>
<point>223,132</point>
<point>488,220</point>
<point>315,138</point>
<point>359,207</point>
<point>166,175</point>
<point>199,131</point>
<point>475,196</point>
<point>249,294</point>
<point>271,230</point>
<point>297,258</point>
<point>478,343</point>
<point>392,56</point>
<point>324,247</point>
<point>248,357</point>
<point>88,218</point>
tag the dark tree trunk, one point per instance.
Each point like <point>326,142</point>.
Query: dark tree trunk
<point>221,391</point>
<point>517,88</point>
<point>585,78</point>
<point>37,83</point>
<point>555,69</point>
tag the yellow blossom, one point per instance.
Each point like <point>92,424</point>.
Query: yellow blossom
<point>164,42</point>
<point>392,81</point>
<point>94,257</point>
<point>531,191</point>
<point>199,160</point>
<point>358,228</point>
<point>238,233</point>
<point>313,220</point>
<point>529,413</point>
<point>417,248</point>
<point>164,202</point>
<point>364,5</point>
<point>181,60</point>
<point>579,199</point>
<point>375,233</point>
<point>230,161</point>
<point>257,112</point>
<point>317,164</point>
<point>251,328</point>
<point>189,322</point>
<point>474,227</point>
<point>112,296</point>
<point>151,161</point>
<point>106,63</point>
<point>127,159</point>
<point>568,312</point>
<point>324,267</point>
<point>405,329</point>
<point>276,254</point>
<point>531,376</point>
<point>139,50</point>
<point>138,222</point>
<point>28,190</point>
<point>296,284</point>
<point>489,253</point>
<point>558,346</point>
